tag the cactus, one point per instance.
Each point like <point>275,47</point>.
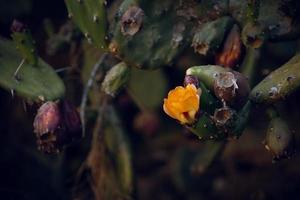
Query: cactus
<point>210,37</point>
<point>160,37</point>
<point>90,17</point>
<point>36,83</point>
<point>116,78</point>
<point>279,140</point>
<point>218,46</point>
<point>24,42</point>
<point>119,147</point>
<point>279,84</point>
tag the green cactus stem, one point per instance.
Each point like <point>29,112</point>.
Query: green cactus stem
<point>206,129</point>
<point>227,123</point>
<point>24,43</point>
<point>206,74</point>
<point>206,156</point>
<point>90,17</point>
<point>253,7</point>
<point>241,121</point>
<point>35,83</point>
<point>279,84</point>
<point>116,79</point>
<point>149,36</point>
<point>250,63</point>
<point>119,149</point>
<point>210,36</point>
<point>208,102</point>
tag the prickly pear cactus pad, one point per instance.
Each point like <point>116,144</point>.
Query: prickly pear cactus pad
<point>36,83</point>
<point>90,17</point>
<point>149,34</point>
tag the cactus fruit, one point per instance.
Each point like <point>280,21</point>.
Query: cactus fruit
<point>229,86</point>
<point>90,17</point>
<point>215,120</point>
<point>279,140</point>
<point>210,37</point>
<point>278,84</point>
<point>232,88</point>
<point>232,49</point>
<point>48,129</point>
<point>35,83</point>
<point>116,78</point>
<point>56,125</point>
<point>206,73</point>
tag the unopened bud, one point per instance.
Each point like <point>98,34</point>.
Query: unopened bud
<point>56,125</point>
<point>116,78</point>
<point>232,87</point>
<point>232,50</point>
<point>18,26</point>
<point>190,79</point>
<point>225,86</point>
<point>47,127</point>
<point>280,140</point>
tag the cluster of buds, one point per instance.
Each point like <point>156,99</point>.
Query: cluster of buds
<point>223,94</point>
<point>56,125</point>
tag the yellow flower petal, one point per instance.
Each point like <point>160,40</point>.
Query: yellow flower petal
<point>183,103</point>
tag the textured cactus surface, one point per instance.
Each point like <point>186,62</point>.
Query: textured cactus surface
<point>90,17</point>
<point>278,84</point>
<point>24,43</point>
<point>211,35</point>
<point>161,34</point>
<point>34,82</point>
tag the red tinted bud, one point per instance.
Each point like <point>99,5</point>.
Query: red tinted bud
<point>232,49</point>
<point>18,26</point>
<point>47,127</point>
<point>56,125</point>
<point>71,120</point>
<point>190,79</point>
<point>47,119</point>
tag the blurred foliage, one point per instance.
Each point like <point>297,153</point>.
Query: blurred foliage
<point>132,150</point>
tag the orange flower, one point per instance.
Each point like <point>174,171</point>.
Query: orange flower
<point>182,103</point>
